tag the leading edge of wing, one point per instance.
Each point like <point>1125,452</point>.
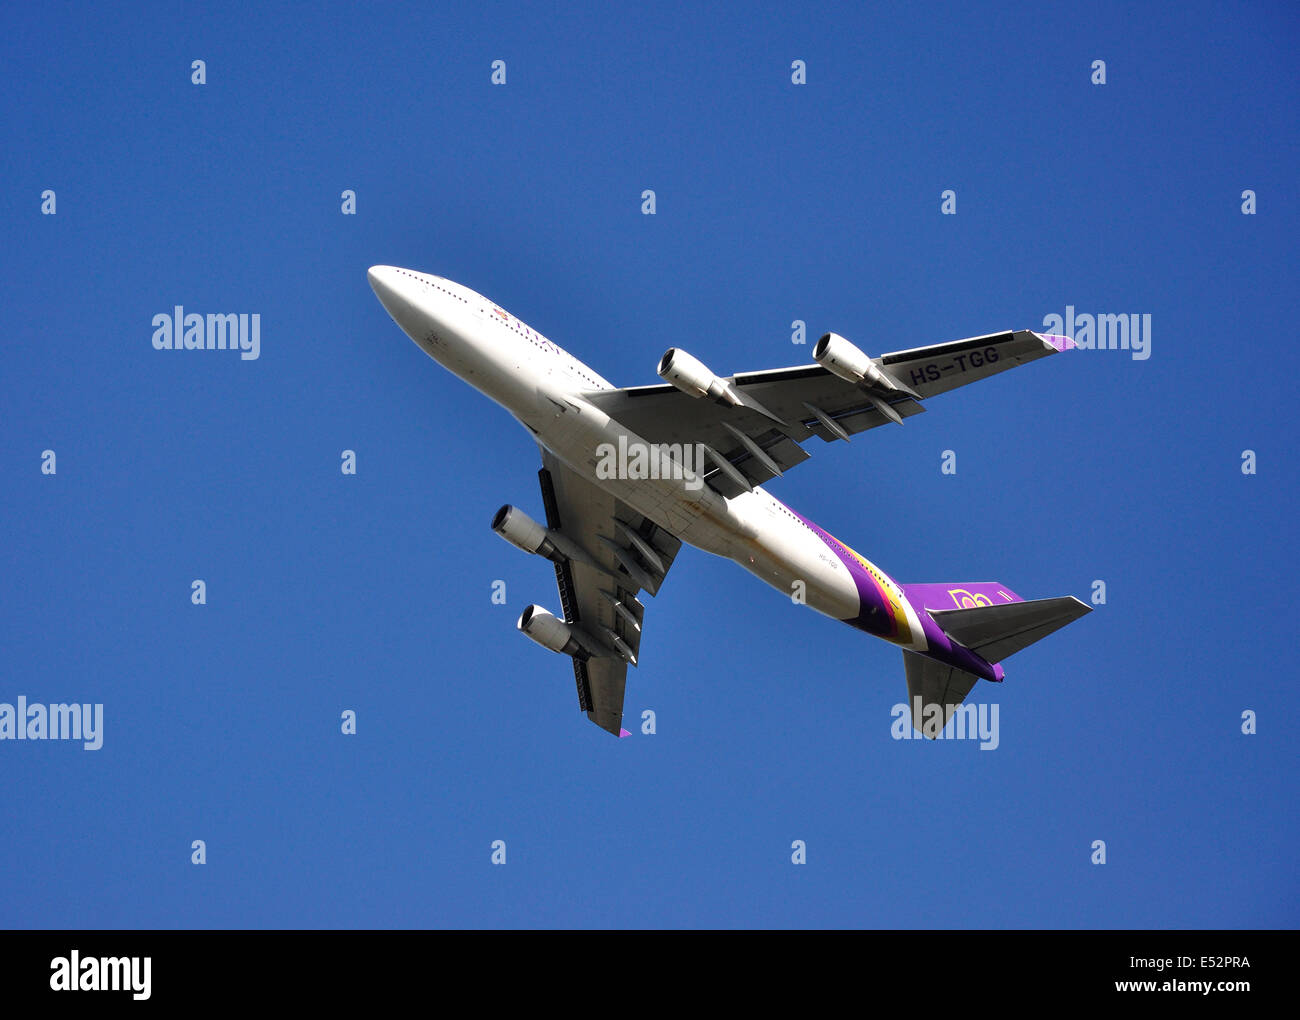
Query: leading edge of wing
<point>1052,343</point>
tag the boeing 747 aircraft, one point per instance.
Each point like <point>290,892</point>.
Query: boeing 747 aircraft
<point>628,475</point>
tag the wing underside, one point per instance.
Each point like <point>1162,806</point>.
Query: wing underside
<point>621,554</point>
<point>762,436</point>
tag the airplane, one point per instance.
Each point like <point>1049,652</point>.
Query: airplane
<point>629,474</point>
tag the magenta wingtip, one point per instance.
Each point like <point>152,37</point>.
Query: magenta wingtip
<point>1060,343</point>
<point>623,733</point>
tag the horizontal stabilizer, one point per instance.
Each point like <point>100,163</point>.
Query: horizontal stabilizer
<point>997,631</point>
<point>934,690</point>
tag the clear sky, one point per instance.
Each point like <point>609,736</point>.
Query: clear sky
<point>776,202</point>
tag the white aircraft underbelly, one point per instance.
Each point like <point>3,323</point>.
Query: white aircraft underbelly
<point>750,529</point>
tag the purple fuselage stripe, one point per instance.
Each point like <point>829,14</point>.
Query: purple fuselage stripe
<point>875,615</point>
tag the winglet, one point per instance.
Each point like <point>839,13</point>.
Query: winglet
<point>623,733</point>
<point>1057,343</point>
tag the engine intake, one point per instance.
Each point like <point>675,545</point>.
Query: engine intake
<point>693,377</point>
<point>521,531</point>
<point>550,632</point>
<point>841,358</point>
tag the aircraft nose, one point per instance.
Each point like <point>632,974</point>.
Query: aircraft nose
<point>386,282</point>
<point>381,279</point>
<point>401,300</point>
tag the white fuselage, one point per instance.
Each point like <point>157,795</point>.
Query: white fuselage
<point>543,387</point>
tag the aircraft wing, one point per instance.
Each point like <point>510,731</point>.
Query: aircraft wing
<point>622,552</point>
<point>784,408</point>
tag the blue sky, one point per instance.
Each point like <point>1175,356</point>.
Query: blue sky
<point>775,202</point>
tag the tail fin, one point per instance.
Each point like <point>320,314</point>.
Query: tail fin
<point>995,624</point>
<point>996,631</point>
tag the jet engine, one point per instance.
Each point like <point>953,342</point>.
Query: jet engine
<point>521,531</point>
<point>549,632</point>
<point>693,377</point>
<point>841,358</point>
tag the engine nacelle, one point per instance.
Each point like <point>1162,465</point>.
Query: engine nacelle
<point>841,358</point>
<point>693,377</point>
<point>521,531</point>
<point>550,632</point>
